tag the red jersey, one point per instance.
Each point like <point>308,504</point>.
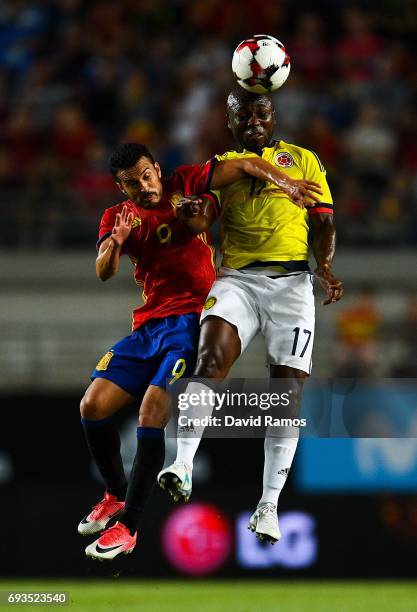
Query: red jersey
<point>175,267</point>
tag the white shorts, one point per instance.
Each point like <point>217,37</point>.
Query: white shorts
<point>281,308</point>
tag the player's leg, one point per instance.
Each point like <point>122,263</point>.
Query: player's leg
<point>288,327</point>
<point>229,322</point>
<point>279,448</point>
<point>149,458</point>
<point>150,454</point>
<point>119,378</point>
<point>101,401</point>
<point>172,347</point>
<point>219,347</point>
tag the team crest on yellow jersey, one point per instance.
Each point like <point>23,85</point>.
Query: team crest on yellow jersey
<point>103,364</point>
<point>284,160</point>
<point>210,301</point>
<point>137,221</point>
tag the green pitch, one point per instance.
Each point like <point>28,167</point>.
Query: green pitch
<point>221,596</point>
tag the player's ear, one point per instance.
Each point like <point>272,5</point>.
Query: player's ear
<point>228,121</point>
<point>120,186</point>
<point>158,169</point>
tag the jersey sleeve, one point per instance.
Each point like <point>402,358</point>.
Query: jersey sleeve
<point>216,196</point>
<point>193,179</point>
<point>106,225</point>
<point>314,171</point>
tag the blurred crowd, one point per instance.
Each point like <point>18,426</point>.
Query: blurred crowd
<point>78,77</point>
<point>369,345</point>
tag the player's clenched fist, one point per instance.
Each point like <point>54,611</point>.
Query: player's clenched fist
<point>188,207</point>
<point>122,226</point>
<point>195,212</point>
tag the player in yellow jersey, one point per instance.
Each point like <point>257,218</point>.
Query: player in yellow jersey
<point>264,285</point>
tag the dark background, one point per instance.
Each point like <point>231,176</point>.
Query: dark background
<point>356,535</point>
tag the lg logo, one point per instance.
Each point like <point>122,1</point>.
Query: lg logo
<point>297,549</point>
<point>197,540</point>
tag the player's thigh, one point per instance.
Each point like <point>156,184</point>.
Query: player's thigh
<point>102,399</point>
<point>177,350</point>
<point>129,364</point>
<point>219,347</point>
<point>175,365</point>
<point>288,321</point>
<point>154,409</point>
<point>232,300</point>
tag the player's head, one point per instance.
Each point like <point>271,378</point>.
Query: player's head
<point>251,118</point>
<point>137,174</point>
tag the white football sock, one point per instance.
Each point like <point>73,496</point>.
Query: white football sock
<point>188,441</point>
<point>279,453</point>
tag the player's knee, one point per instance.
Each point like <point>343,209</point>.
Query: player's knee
<point>153,415</point>
<point>91,408</point>
<point>154,408</point>
<point>148,419</point>
<point>211,364</point>
<point>295,387</point>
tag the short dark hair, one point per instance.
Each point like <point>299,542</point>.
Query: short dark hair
<point>239,97</point>
<point>126,155</point>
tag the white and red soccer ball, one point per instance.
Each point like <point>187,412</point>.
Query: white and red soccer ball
<point>261,64</point>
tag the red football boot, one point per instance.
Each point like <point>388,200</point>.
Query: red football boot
<point>106,509</point>
<point>112,542</point>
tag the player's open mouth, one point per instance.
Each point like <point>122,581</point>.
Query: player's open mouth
<point>149,197</point>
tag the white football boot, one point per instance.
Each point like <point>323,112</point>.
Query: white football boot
<point>177,480</point>
<point>264,522</point>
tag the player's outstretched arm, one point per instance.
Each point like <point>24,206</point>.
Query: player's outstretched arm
<point>196,212</point>
<point>324,245</point>
<point>302,193</point>
<point>107,262</point>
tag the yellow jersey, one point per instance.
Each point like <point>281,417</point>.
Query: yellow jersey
<point>258,220</point>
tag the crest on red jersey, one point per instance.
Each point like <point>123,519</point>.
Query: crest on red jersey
<point>284,160</point>
<point>175,198</point>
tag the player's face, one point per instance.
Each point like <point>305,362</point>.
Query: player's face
<point>252,124</point>
<point>142,183</point>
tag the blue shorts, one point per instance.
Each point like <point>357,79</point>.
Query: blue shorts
<point>159,352</point>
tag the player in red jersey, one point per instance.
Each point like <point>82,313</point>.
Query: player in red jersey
<point>161,232</point>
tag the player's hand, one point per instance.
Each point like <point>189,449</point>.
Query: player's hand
<point>331,285</point>
<point>189,207</point>
<point>303,193</point>
<point>122,226</point>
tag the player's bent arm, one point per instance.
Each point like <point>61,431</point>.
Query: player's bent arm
<point>301,192</point>
<point>107,262</point>
<point>324,246</point>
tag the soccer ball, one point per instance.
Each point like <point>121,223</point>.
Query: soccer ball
<point>261,64</point>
